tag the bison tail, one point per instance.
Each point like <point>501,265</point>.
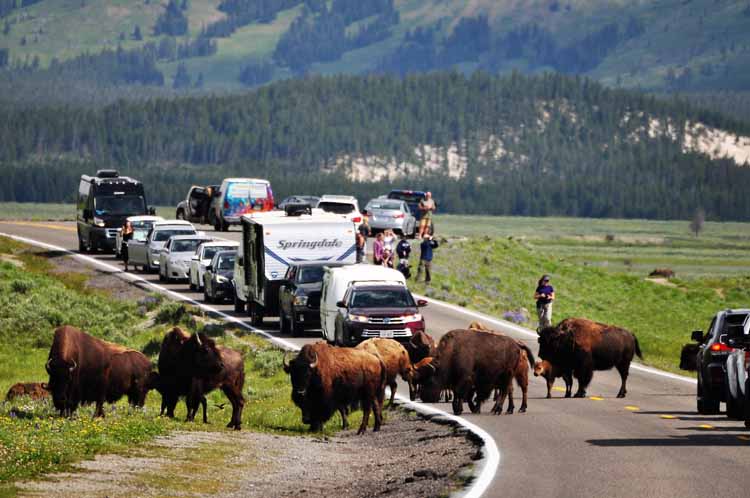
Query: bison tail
<point>532,360</point>
<point>637,347</point>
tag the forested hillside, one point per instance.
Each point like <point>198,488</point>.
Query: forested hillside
<point>179,46</point>
<point>520,145</point>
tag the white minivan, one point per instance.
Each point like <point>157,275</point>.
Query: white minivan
<point>336,281</point>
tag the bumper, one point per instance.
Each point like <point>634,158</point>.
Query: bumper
<point>385,224</point>
<point>224,290</point>
<point>104,238</point>
<point>354,333</point>
<point>307,316</point>
<point>178,272</point>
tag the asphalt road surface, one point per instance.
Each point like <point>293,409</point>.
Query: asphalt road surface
<point>651,444</point>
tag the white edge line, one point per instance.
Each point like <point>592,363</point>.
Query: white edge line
<point>490,450</point>
<point>533,335</point>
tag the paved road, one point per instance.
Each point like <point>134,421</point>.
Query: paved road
<point>652,444</point>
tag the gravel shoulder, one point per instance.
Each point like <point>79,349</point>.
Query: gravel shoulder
<point>409,457</point>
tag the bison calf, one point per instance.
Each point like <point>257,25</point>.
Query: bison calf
<point>550,372</point>
<point>34,390</point>
<point>689,357</point>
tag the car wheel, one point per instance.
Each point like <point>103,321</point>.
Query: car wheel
<point>190,283</point>
<point>284,327</point>
<point>256,313</point>
<point>706,405</point>
<point>297,327</point>
<point>734,407</point>
<point>239,304</point>
<point>81,245</point>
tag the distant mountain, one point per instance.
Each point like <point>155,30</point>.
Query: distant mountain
<point>541,145</point>
<point>655,45</point>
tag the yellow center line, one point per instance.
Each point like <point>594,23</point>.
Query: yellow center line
<point>668,417</point>
<point>706,426</point>
<point>558,388</point>
<point>596,398</point>
<point>632,408</point>
<point>42,225</point>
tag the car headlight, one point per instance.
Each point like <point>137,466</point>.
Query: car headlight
<point>416,317</point>
<point>300,300</point>
<point>99,222</point>
<point>357,318</point>
<point>221,280</point>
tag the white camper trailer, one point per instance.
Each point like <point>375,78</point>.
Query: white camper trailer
<point>336,281</point>
<point>274,240</point>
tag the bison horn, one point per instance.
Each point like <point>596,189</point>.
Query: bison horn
<point>198,338</point>
<point>46,366</point>
<point>75,365</point>
<point>432,367</point>
<point>314,363</point>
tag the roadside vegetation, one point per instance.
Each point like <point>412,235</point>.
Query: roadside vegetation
<point>36,297</point>
<point>40,211</point>
<point>498,276</point>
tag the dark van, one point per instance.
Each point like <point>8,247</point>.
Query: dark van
<point>104,202</point>
<point>411,197</point>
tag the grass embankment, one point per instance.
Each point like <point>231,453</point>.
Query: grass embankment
<point>498,277</point>
<point>39,211</point>
<point>34,300</point>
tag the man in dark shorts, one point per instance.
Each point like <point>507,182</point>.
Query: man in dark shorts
<point>425,257</point>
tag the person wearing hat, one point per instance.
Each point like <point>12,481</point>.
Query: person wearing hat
<point>544,296</point>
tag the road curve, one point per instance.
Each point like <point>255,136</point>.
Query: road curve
<point>651,444</point>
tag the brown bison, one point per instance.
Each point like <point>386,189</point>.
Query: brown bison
<point>420,346</point>
<point>582,346</point>
<point>192,366</point>
<point>34,390</point>
<point>550,372</point>
<point>396,361</point>
<point>78,367</point>
<point>129,373</point>
<point>328,378</point>
<point>472,365</point>
<point>689,357</point>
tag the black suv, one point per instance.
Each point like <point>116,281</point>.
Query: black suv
<point>218,280</point>
<point>299,296</point>
<point>377,310</point>
<point>713,351</point>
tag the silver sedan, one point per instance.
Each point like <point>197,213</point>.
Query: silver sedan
<point>393,214</point>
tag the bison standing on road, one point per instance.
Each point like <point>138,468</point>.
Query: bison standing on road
<point>129,373</point>
<point>472,365</point>
<point>550,372</point>
<point>582,346</point>
<point>34,390</point>
<point>328,378</point>
<point>521,374</point>
<point>396,361</point>
<point>78,366</point>
<point>689,357</point>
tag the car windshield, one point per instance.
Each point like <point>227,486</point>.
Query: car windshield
<point>382,298</point>
<point>164,235</point>
<point>119,205</point>
<point>336,207</point>
<point>385,205</point>
<point>208,252</point>
<point>226,262</point>
<point>310,275</point>
<point>185,245</point>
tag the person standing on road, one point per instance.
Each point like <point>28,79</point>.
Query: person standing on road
<point>544,296</point>
<point>127,235</point>
<point>425,257</point>
<point>426,207</point>
<point>378,249</point>
<point>403,250</point>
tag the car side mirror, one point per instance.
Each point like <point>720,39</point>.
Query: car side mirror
<point>421,303</point>
<point>340,304</point>
<point>152,211</point>
<point>209,268</point>
<point>697,335</point>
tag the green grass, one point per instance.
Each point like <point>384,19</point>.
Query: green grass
<point>34,300</point>
<point>498,276</point>
<point>39,211</point>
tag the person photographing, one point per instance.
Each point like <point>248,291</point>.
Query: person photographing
<point>426,208</point>
<point>544,296</point>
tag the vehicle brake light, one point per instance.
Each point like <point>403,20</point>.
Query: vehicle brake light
<point>399,215</point>
<point>720,347</point>
<point>357,219</point>
<point>747,360</point>
<point>226,205</point>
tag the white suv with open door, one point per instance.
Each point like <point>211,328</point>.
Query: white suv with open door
<point>345,206</point>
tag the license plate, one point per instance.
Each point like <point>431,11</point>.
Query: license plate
<point>386,334</point>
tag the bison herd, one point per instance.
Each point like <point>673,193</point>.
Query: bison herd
<point>467,365</point>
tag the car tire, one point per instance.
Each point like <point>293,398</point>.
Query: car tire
<point>298,329</point>
<point>81,245</point>
<point>734,407</point>
<point>190,283</point>
<point>706,405</point>
<point>256,314</point>
<point>284,327</point>
<point>239,304</point>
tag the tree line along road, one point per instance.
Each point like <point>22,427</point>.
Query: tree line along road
<point>650,444</point>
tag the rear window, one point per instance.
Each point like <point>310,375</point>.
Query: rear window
<point>184,245</point>
<point>408,197</point>
<point>310,275</point>
<point>736,325</point>
<point>382,298</point>
<point>336,207</point>
<point>164,235</point>
<point>394,206</point>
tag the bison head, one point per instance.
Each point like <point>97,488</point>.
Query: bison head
<point>540,368</point>
<point>301,370</point>
<point>420,346</point>
<point>204,355</point>
<point>556,346</point>
<point>689,357</point>
<point>425,376</point>
<point>61,378</point>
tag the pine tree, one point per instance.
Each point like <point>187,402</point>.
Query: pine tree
<point>181,78</point>
<point>137,36</point>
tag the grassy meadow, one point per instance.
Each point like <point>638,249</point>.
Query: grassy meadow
<point>35,298</point>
